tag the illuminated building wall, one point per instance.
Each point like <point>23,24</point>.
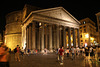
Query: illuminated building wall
<point>13,29</point>
<point>98,24</point>
<point>88,34</point>
<point>39,29</point>
<point>13,32</point>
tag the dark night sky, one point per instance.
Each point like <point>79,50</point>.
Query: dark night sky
<point>79,10</point>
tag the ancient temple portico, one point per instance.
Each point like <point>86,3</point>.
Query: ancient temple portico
<point>49,28</point>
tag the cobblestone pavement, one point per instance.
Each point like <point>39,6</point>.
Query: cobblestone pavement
<point>49,60</point>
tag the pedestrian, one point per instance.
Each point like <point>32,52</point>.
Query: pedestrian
<point>83,51</point>
<point>17,51</point>
<point>28,51</point>
<point>67,50</point>
<point>61,54</point>
<point>91,55</point>
<point>73,52</point>
<point>22,52</point>
<point>77,51</point>
<point>58,53</point>
<point>98,52</point>
<point>86,54</point>
<point>45,51</point>
<point>4,56</point>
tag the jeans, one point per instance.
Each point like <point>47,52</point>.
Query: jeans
<point>73,55</point>
<point>61,58</point>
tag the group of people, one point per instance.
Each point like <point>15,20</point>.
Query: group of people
<point>72,52</point>
<point>89,53</point>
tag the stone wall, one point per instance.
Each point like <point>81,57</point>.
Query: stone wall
<point>13,40</point>
<point>13,29</point>
<point>15,16</point>
<point>13,32</point>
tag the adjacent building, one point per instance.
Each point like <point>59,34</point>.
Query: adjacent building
<point>98,24</point>
<point>35,28</point>
<point>88,34</point>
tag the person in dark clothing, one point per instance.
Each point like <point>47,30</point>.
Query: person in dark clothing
<point>4,56</point>
<point>86,53</point>
<point>91,55</point>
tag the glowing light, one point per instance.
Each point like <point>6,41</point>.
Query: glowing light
<point>71,44</point>
<point>71,38</point>
<point>92,38</point>
<point>86,35</point>
<point>85,44</point>
<point>39,24</point>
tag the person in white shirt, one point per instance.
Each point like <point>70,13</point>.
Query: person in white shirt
<point>73,52</point>
<point>67,50</point>
<point>77,51</point>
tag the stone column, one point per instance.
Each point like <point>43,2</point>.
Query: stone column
<point>50,38</point>
<point>60,36</point>
<point>57,34</point>
<point>30,36</point>
<point>46,37</point>
<point>27,37</point>
<point>64,37</point>
<point>74,38</point>
<point>78,36</point>
<point>55,38</point>
<point>69,37</point>
<point>42,38</point>
<point>38,43</point>
<point>33,36</point>
<point>46,40</point>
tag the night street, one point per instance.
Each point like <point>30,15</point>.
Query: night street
<point>49,60</point>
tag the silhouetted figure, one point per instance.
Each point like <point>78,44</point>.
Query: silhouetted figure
<point>17,51</point>
<point>4,56</point>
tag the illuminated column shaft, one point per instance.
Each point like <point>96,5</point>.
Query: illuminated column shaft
<point>27,37</point>
<point>50,37</point>
<point>46,37</point>
<point>64,37</point>
<point>38,45</point>
<point>78,36</point>
<point>57,34</point>
<point>33,36</point>
<point>69,37</point>
<point>55,38</point>
<point>74,38</point>
<point>30,36</point>
<point>60,36</point>
<point>42,37</point>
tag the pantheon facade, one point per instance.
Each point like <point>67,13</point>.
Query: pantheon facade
<point>43,28</point>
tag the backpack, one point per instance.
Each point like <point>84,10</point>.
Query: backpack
<point>15,50</point>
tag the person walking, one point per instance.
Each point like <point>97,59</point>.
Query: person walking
<point>58,53</point>
<point>22,52</point>
<point>86,54</point>
<point>4,56</point>
<point>91,55</point>
<point>17,49</point>
<point>61,54</point>
<point>67,50</point>
<point>73,52</point>
<point>77,51</point>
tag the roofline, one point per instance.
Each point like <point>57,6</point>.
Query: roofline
<point>88,19</point>
<point>97,13</point>
<point>51,9</point>
<point>13,12</point>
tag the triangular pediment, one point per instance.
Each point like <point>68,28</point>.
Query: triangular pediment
<point>59,13</point>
